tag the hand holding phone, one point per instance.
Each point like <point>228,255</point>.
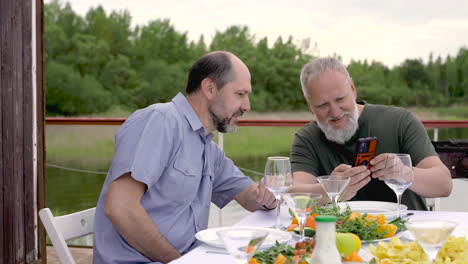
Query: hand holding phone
<point>365,151</point>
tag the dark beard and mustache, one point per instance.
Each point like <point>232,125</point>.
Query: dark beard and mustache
<point>224,125</point>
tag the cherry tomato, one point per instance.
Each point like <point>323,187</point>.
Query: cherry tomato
<point>310,242</point>
<point>299,245</point>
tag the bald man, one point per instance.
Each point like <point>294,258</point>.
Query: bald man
<point>167,170</point>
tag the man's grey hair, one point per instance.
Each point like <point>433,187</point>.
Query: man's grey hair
<point>316,67</point>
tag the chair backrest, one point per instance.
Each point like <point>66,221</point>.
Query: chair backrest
<point>454,154</point>
<point>66,227</point>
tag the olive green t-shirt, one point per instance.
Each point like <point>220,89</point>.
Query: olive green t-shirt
<point>397,131</point>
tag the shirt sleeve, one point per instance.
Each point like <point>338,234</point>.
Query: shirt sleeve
<point>228,180</point>
<point>144,146</point>
<point>415,140</point>
<point>302,157</point>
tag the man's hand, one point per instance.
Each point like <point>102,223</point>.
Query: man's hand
<point>256,197</point>
<point>264,196</point>
<point>359,177</point>
<point>378,165</point>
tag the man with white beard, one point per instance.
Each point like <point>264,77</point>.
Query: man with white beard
<point>327,146</point>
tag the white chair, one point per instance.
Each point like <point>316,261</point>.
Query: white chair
<point>66,227</point>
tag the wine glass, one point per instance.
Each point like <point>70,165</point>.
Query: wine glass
<point>334,186</point>
<point>431,234</point>
<point>302,204</point>
<point>398,175</point>
<point>242,242</point>
<point>278,180</point>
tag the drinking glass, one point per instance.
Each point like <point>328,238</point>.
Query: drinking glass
<point>431,234</point>
<point>334,186</point>
<point>242,242</point>
<point>302,204</point>
<point>278,180</point>
<point>398,175</point>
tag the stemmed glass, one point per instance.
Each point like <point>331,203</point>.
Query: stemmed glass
<point>431,234</point>
<point>398,175</point>
<point>242,242</point>
<point>302,204</point>
<point>278,180</point>
<point>334,186</point>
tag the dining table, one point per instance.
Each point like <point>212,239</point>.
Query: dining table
<point>207,254</point>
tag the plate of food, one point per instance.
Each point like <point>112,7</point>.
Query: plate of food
<point>210,237</point>
<point>375,207</point>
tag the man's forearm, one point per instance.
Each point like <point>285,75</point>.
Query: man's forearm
<point>142,234</point>
<point>432,182</point>
<point>124,210</point>
<point>247,199</point>
<point>256,197</point>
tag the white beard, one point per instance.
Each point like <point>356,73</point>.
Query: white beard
<point>340,136</point>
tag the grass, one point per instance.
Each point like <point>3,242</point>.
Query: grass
<point>250,146</point>
<point>450,113</point>
<point>92,147</point>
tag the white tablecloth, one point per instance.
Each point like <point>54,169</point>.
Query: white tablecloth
<point>267,218</point>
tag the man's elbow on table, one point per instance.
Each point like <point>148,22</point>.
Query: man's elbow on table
<point>446,185</point>
<point>446,189</point>
<point>433,178</point>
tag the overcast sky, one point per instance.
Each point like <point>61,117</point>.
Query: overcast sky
<point>388,31</point>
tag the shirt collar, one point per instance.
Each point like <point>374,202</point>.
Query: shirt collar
<point>187,110</point>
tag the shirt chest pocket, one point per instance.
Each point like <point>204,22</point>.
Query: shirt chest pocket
<point>186,175</point>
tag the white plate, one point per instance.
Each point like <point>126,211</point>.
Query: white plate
<point>374,207</point>
<point>210,237</point>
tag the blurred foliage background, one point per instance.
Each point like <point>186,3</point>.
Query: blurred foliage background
<point>100,64</point>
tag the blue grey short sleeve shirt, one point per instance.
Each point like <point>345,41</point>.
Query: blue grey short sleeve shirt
<point>164,146</point>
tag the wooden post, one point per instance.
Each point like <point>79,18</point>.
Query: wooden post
<point>18,170</point>
<point>40,125</point>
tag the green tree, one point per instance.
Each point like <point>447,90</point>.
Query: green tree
<point>99,60</point>
<point>113,29</point>
<point>159,40</point>
<point>121,80</point>
<point>69,93</point>
<point>162,82</point>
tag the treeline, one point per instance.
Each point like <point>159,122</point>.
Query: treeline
<point>100,63</point>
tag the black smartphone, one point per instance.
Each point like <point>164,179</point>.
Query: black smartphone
<point>365,151</point>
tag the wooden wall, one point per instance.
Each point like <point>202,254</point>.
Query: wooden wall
<point>19,239</point>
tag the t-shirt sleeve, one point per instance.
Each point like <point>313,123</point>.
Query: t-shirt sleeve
<point>228,180</point>
<point>415,140</point>
<point>143,147</point>
<point>302,157</point>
